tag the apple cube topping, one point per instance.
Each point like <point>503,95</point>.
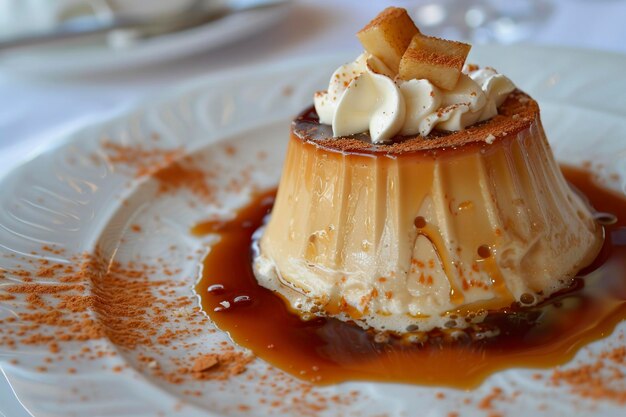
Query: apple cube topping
<point>388,36</point>
<point>393,38</point>
<point>438,60</point>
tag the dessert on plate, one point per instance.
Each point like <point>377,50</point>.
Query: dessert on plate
<point>420,192</point>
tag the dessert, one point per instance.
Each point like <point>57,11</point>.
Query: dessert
<point>326,350</point>
<point>420,193</point>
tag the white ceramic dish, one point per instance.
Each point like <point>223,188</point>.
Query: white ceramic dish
<point>79,58</point>
<point>87,204</point>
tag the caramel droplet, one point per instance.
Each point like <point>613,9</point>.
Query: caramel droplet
<point>420,222</point>
<point>242,300</point>
<point>215,289</point>
<point>605,219</point>
<point>527,298</point>
<point>484,251</point>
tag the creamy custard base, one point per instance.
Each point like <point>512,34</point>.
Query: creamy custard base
<point>434,238</point>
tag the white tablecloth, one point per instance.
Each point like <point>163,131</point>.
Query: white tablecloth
<point>34,111</point>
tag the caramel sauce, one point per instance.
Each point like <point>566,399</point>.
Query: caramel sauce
<point>435,238</point>
<point>327,351</point>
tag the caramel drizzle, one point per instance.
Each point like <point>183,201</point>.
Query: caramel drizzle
<point>504,298</point>
<point>445,259</point>
<point>490,266</point>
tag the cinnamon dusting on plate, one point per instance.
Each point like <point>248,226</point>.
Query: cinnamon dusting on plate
<point>171,169</point>
<point>603,379</point>
<point>69,305</point>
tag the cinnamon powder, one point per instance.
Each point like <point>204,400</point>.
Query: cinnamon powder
<point>120,302</point>
<point>603,379</point>
<point>169,168</point>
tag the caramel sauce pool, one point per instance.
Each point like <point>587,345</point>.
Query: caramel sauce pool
<point>326,351</point>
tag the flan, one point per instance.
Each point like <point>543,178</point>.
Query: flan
<point>430,230</point>
<point>424,233</point>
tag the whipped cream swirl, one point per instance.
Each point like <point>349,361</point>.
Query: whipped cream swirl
<point>364,95</point>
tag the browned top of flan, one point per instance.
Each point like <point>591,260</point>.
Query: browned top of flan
<point>517,112</point>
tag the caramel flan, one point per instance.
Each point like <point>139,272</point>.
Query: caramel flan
<point>411,204</point>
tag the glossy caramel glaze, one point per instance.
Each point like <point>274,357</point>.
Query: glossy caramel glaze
<point>328,351</point>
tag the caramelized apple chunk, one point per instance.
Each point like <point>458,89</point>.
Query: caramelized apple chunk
<point>388,35</point>
<point>438,60</point>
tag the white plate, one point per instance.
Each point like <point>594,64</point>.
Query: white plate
<point>66,198</point>
<point>83,58</point>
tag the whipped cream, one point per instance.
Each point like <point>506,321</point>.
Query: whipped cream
<point>364,95</point>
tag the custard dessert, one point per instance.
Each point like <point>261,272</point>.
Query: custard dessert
<point>420,192</point>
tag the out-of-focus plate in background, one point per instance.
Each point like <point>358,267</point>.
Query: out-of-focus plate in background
<point>86,57</point>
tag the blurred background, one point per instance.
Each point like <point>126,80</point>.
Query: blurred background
<point>65,63</point>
